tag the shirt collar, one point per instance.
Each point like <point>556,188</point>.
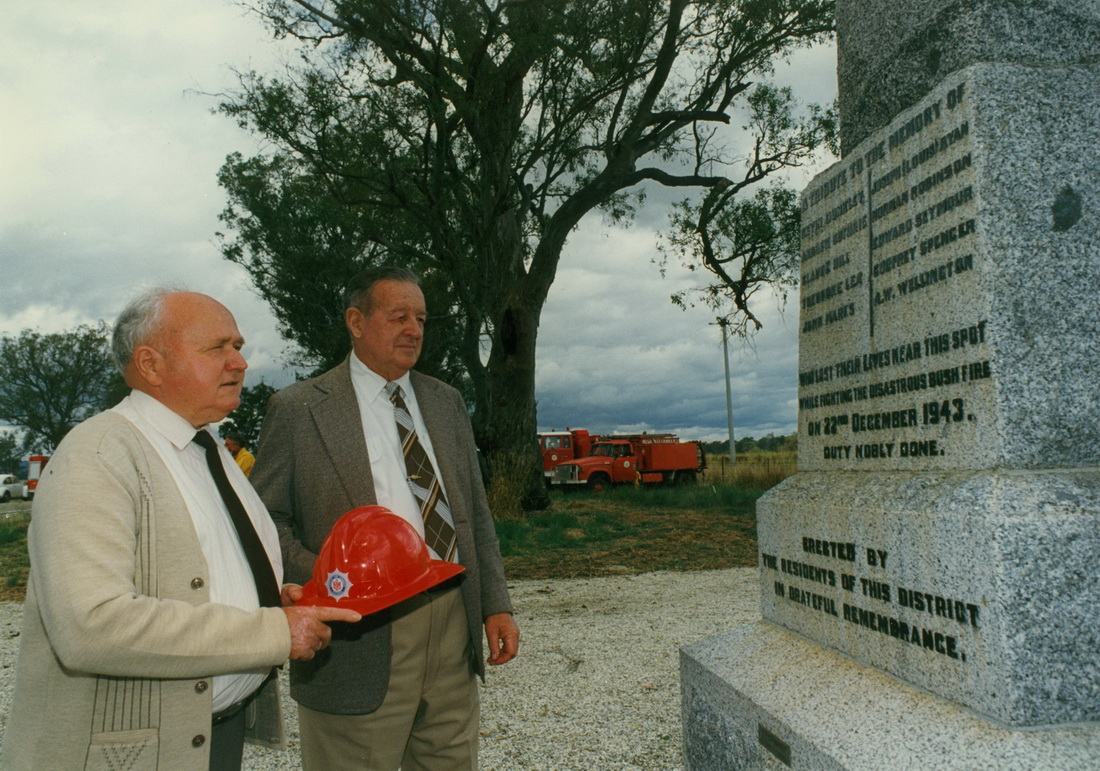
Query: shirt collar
<point>173,426</point>
<point>372,383</point>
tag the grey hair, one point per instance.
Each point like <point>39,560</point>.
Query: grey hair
<point>137,323</point>
<point>357,293</point>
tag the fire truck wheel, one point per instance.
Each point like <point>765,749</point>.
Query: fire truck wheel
<point>597,483</point>
<point>685,478</point>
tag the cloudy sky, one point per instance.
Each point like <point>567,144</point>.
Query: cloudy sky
<point>107,184</point>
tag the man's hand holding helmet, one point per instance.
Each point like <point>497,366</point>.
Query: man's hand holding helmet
<point>309,630</point>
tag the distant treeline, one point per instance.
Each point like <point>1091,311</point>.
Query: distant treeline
<point>769,443</point>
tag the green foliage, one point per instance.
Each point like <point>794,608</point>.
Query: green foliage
<point>701,496</point>
<point>717,447</point>
<point>746,444</point>
<point>276,211</point>
<point>747,244</point>
<point>247,419</point>
<point>13,531</point>
<point>54,381</point>
<point>559,530</point>
<point>302,242</point>
<point>11,453</point>
<point>769,443</point>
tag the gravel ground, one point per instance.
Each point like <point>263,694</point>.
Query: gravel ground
<point>596,685</point>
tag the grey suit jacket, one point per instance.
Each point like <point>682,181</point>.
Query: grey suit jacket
<point>312,467</point>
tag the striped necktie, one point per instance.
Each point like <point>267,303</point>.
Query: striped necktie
<point>439,531</point>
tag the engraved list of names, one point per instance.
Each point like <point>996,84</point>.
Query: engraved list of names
<point>894,363</point>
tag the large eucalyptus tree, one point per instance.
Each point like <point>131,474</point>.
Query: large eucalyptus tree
<point>468,138</point>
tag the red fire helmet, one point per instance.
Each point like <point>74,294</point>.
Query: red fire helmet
<point>371,560</point>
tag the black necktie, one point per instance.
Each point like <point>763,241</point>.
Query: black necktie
<point>267,588</point>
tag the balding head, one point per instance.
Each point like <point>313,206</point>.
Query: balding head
<point>183,349</point>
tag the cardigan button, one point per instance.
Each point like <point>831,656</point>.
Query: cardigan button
<point>197,583</point>
<point>201,686</point>
<point>198,741</point>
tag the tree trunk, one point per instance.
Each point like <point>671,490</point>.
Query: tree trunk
<point>512,447</point>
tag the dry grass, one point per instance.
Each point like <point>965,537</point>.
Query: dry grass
<point>754,470</point>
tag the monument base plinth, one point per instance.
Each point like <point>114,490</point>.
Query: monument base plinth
<point>977,587</point>
<point>762,697</point>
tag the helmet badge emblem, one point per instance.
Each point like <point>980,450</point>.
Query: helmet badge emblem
<point>338,584</point>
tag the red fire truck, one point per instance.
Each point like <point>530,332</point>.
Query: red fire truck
<point>36,464</point>
<point>634,459</point>
<point>560,446</point>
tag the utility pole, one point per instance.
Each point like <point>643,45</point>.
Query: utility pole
<point>724,324</point>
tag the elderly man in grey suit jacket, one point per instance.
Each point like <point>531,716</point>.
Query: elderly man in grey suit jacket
<point>144,642</point>
<point>399,688</point>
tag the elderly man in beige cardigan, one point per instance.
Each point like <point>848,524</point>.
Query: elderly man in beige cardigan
<point>152,621</point>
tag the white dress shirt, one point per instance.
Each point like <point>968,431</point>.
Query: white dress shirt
<point>231,581</point>
<point>387,463</point>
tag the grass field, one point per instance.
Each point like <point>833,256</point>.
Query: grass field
<point>633,531</point>
<point>14,518</point>
<point>625,530</point>
<point>637,530</point>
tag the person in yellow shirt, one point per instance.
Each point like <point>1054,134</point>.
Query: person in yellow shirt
<point>244,458</point>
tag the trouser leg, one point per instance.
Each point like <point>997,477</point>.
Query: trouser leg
<point>445,733</point>
<point>227,743</point>
<point>428,719</point>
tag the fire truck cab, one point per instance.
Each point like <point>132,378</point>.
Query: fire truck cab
<point>561,446</point>
<point>36,464</point>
